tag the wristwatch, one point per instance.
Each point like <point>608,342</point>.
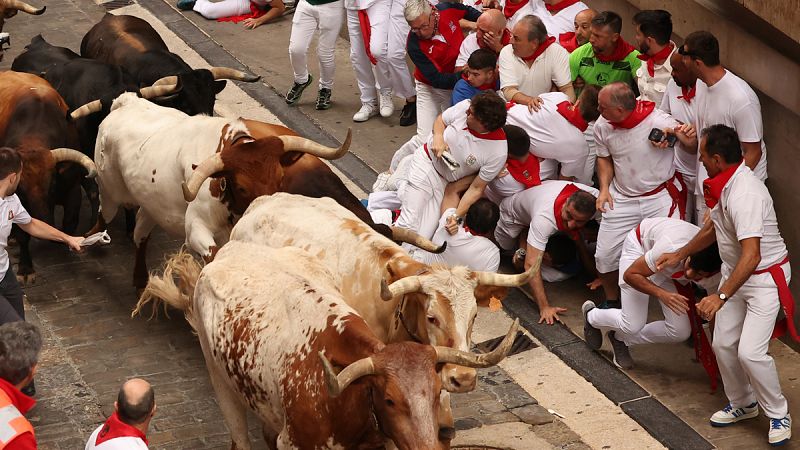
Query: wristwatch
<point>722,296</point>
<point>520,253</point>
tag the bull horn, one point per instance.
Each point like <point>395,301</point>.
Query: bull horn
<point>449,355</point>
<point>233,74</point>
<point>496,279</point>
<point>24,7</point>
<point>159,91</point>
<point>301,144</point>
<point>68,154</point>
<point>401,287</point>
<point>89,108</point>
<point>207,168</point>
<point>171,79</point>
<point>409,236</point>
<point>338,383</point>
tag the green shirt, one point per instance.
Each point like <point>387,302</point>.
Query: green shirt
<point>582,63</point>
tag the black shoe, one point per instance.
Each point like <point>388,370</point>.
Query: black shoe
<point>30,389</point>
<point>323,99</point>
<point>592,336</point>
<point>186,5</point>
<point>408,116</point>
<point>622,356</point>
<point>296,91</point>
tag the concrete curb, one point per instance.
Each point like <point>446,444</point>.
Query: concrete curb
<point>636,402</point>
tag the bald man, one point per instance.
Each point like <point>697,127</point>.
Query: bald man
<point>490,32</point>
<point>126,429</point>
<point>583,31</point>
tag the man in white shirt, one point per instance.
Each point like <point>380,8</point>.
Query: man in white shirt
<point>126,429</point>
<point>755,277</point>
<point>678,101</point>
<point>653,32</point>
<point>724,98</point>
<point>636,176</point>
<point>542,211</point>
<point>533,64</point>
<point>560,15</point>
<point>556,133</point>
<point>490,32</point>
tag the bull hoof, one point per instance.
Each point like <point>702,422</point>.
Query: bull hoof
<point>26,279</point>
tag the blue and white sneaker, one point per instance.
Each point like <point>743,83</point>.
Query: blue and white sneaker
<point>730,415</point>
<point>780,430</point>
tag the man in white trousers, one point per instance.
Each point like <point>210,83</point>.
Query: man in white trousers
<point>228,8</point>
<point>400,77</point>
<point>366,19</point>
<point>640,279</point>
<point>310,15</point>
<point>755,277</point>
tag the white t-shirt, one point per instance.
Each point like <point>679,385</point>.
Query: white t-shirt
<point>504,185</point>
<point>732,102</point>
<point>653,88</point>
<point>534,7</point>
<point>563,21</point>
<point>468,46</point>
<point>664,235</point>
<point>486,157</point>
<point>11,212</point>
<point>639,166</point>
<point>549,68</point>
<point>536,207</point>
<point>119,443</point>
<point>463,249</point>
<point>682,111</point>
<point>552,136</point>
<point>746,210</point>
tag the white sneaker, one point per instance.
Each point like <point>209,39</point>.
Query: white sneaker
<point>730,415</point>
<point>387,105</point>
<point>381,182</point>
<point>367,110</point>
<point>780,430</point>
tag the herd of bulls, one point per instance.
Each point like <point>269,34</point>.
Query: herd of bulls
<point>308,313</point>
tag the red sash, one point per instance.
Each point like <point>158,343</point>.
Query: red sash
<point>786,298</point>
<point>114,428</point>
<point>622,50</point>
<point>366,33</point>
<point>679,196</point>
<point>526,172</point>
<point>640,112</point>
<point>540,49</point>
<point>554,9</point>
<point>660,56</point>
<point>712,187</point>
<point>568,40</point>
<point>255,13</point>
<point>511,8</point>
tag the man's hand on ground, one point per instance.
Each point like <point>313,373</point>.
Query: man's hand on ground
<point>550,314</point>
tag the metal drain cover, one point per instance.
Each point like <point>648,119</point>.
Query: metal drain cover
<point>521,344</point>
<point>116,4</point>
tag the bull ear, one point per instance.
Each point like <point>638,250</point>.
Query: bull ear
<point>484,294</point>
<point>219,86</point>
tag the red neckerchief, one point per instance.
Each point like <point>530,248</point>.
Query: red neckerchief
<point>688,94</point>
<point>573,115</point>
<point>496,135</point>
<point>511,8</point>
<point>22,402</point>
<point>554,9</point>
<point>483,87</point>
<point>115,428</point>
<point>660,56</point>
<point>622,50</point>
<point>540,49</point>
<point>702,348</point>
<point>510,104</point>
<point>568,40</point>
<point>561,200</point>
<point>642,110</point>
<point>526,172</point>
<point>712,187</point>
<point>505,39</point>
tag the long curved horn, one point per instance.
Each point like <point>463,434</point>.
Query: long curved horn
<point>171,79</point>
<point>89,108</point>
<point>233,74</point>
<point>496,279</point>
<point>400,287</point>
<point>24,7</point>
<point>68,154</point>
<point>338,383</point>
<point>206,168</point>
<point>452,356</point>
<point>301,144</point>
<point>159,91</point>
<point>411,237</point>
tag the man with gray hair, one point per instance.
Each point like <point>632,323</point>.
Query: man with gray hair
<point>126,429</point>
<point>533,63</point>
<point>20,344</point>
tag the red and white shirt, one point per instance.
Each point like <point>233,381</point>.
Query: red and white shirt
<point>116,435</point>
<point>463,249</point>
<point>680,104</point>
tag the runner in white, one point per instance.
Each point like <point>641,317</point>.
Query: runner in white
<point>540,212</point>
<point>490,32</point>
<point>126,429</point>
<point>636,176</point>
<point>368,46</point>
<point>228,8</point>
<point>560,15</point>
<point>516,10</point>
<point>400,77</point>
<point>521,171</point>
<point>556,132</point>
<point>653,32</point>
<point>755,274</point>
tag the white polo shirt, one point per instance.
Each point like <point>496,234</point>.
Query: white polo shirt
<point>682,111</point>
<point>552,136</point>
<point>664,235</point>
<point>549,68</point>
<point>653,88</point>
<point>468,46</point>
<point>563,21</point>
<point>463,249</point>
<point>535,208</point>
<point>745,210</point>
<point>732,102</point>
<point>639,166</point>
<point>486,157</point>
<point>11,212</point>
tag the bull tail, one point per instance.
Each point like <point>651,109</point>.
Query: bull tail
<point>174,288</point>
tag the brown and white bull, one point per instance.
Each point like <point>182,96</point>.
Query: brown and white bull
<point>9,9</point>
<point>430,304</point>
<point>274,329</point>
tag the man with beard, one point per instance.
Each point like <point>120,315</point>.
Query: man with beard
<point>653,32</point>
<point>607,57</point>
